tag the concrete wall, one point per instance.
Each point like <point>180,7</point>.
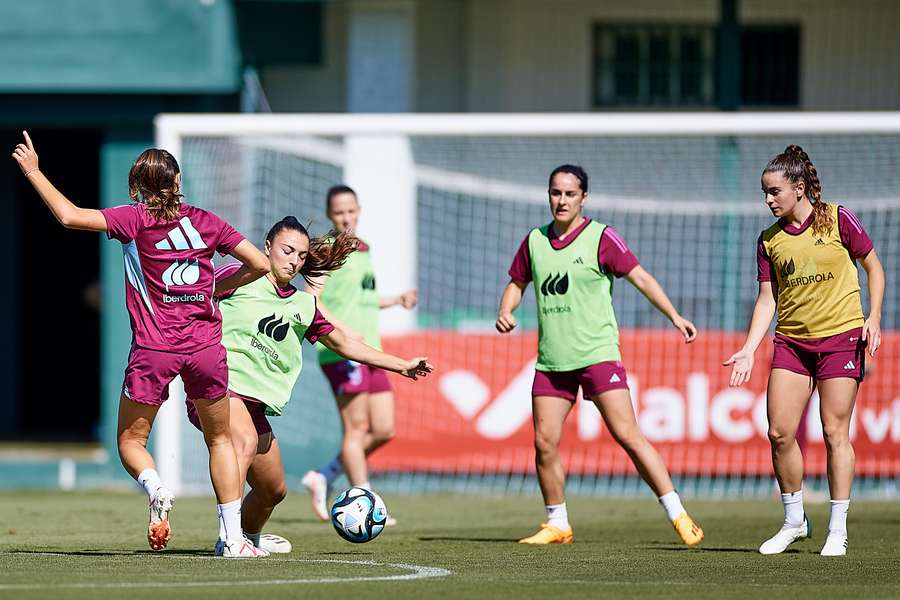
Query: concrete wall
<point>536,55</point>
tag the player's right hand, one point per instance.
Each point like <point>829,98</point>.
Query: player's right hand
<point>417,367</point>
<point>25,155</point>
<point>742,365</point>
<point>506,322</point>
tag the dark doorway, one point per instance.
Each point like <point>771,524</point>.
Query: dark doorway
<point>57,322</point>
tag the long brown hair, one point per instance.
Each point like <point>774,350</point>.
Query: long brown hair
<point>327,253</point>
<point>795,165</point>
<point>153,182</point>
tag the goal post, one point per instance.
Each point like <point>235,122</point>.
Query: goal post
<point>446,198</point>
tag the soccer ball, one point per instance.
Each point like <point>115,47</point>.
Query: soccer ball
<point>358,515</point>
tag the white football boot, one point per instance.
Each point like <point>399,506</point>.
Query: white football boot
<point>317,485</point>
<point>159,531</point>
<point>787,535</point>
<point>835,544</point>
<point>242,549</point>
<point>274,544</point>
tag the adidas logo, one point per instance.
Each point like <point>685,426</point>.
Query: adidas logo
<point>185,237</point>
<point>820,242</point>
<point>615,378</point>
<point>578,261</point>
<point>181,273</point>
<point>849,365</point>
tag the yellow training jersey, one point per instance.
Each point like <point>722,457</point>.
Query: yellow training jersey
<point>817,283</point>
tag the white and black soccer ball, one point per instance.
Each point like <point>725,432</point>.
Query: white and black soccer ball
<point>358,515</point>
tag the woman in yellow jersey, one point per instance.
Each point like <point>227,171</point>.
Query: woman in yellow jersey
<point>572,262</point>
<point>806,268</point>
<point>350,300</point>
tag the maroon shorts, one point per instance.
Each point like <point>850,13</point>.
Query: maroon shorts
<point>351,378</point>
<point>256,409</point>
<point>149,373</point>
<point>594,380</point>
<point>841,355</point>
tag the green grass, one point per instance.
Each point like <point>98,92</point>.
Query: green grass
<point>623,548</point>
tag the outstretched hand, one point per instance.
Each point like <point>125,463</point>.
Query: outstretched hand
<point>742,362</point>
<point>25,155</point>
<point>417,367</point>
<point>408,299</point>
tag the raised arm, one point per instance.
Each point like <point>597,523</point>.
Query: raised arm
<point>875,277</point>
<point>255,265</point>
<point>763,312</point>
<point>69,215</point>
<point>653,291</point>
<point>510,301</point>
<point>355,350</point>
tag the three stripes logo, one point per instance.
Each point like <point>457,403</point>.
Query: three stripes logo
<point>368,282</point>
<point>555,284</point>
<point>276,329</point>
<point>820,242</point>
<point>185,237</point>
<point>788,268</point>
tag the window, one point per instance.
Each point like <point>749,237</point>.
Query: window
<point>770,65</point>
<point>654,65</point>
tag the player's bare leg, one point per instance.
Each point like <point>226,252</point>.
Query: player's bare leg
<point>355,420</point>
<point>268,489</point>
<point>787,396</point>
<point>837,398</point>
<point>549,415</point>
<point>618,413</point>
<point>135,422</point>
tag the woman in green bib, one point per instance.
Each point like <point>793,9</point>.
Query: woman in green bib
<point>572,262</point>
<point>263,325</point>
<point>363,393</point>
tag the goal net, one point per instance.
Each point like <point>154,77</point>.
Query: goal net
<point>446,200</point>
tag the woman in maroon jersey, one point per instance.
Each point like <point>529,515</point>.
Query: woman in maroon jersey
<point>177,330</point>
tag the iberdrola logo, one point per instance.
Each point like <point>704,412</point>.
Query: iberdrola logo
<point>788,268</point>
<point>805,275</point>
<point>555,284</point>
<point>274,328</point>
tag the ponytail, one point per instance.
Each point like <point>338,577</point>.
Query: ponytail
<point>153,181</point>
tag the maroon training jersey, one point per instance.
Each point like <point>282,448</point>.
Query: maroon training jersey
<point>169,277</point>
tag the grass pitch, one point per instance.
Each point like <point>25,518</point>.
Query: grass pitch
<point>93,546</point>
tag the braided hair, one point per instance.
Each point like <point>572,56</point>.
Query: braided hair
<point>795,165</point>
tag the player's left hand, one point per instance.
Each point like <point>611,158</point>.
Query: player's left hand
<point>417,367</point>
<point>25,155</point>
<point>871,333</point>
<point>408,299</point>
<point>687,329</point>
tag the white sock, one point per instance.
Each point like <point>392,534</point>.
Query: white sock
<point>221,526</point>
<point>557,516</point>
<point>672,505</point>
<point>150,481</point>
<point>365,485</point>
<point>253,537</point>
<point>230,513</point>
<point>793,508</point>
<point>332,470</point>
<point>838,521</point>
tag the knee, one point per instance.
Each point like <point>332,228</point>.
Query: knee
<point>277,493</point>
<point>837,436</point>
<point>383,435</point>
<point>630,439</point>
<point>245,446</point>
<point>545,445</point>
<point>780,437</point>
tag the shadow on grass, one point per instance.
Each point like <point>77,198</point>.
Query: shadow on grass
<point>711,549</point>
<point>120,553</point>
<point>286,521</point>
<point>466,539</point>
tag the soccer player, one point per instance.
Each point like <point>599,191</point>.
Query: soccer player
<point>365,400</point>
<point>572,262</point>
<point>168,247</point>
<point>806,268</point>
<point>264,324</point>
